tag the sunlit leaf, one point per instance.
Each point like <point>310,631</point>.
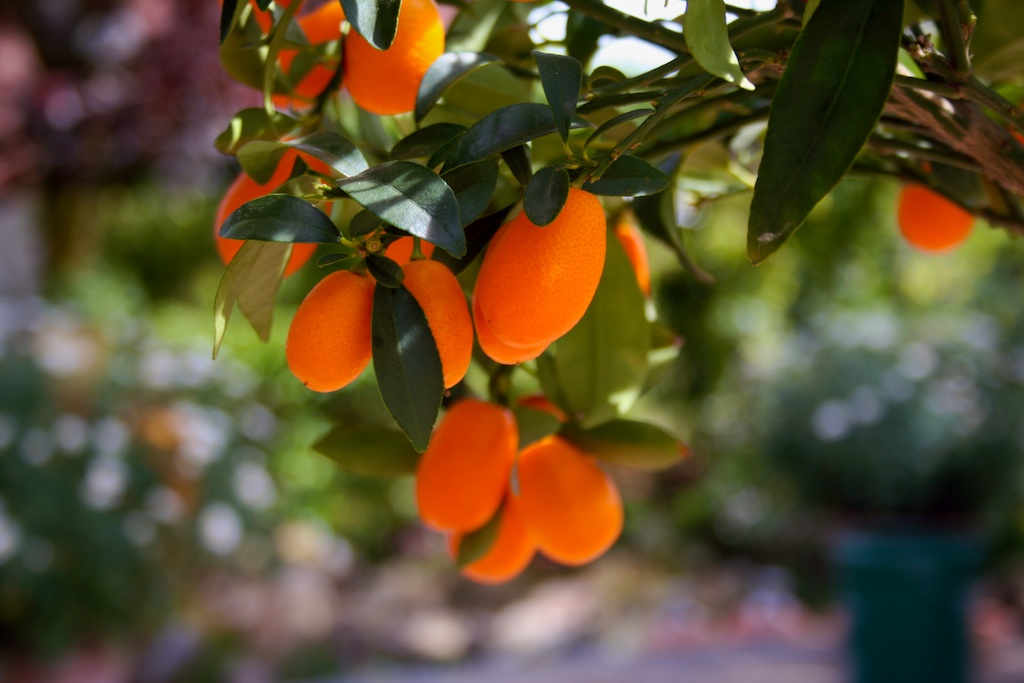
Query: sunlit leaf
<point>445,70</point>
<point>707,36</point>
<point>251,280</point>
<point>280,218</point>
<point>374,20</point>
<point>629,443</point>
<point>369,450</point>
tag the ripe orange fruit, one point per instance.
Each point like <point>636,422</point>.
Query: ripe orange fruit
<point>328,343</point>
<point>322,25</point>
<point>507,558</point>
<point>497,350</point>
<point>570,506</point>
<point>536,283</point>
<point>245,189</point>
<point>386,81</point>
<point>931,222</point>
<point>439,295</point>
<point>464,473</point>
<point>401,250</point>
<point>632,242</point>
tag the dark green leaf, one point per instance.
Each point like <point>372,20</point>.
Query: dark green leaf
<point>440,155</point>
<point>369,450</point>
<point>825,107</point>
<point>227,17</point>
<point>707,35</point>
<point>375,20</point>
<point>251,280</point>
<point>616,121</point>
<point>264,5</point>
<point>332,149</point>
<point>582,33</point>
<point>280,218</point>
<point>363,223</point>
<point>605,75</point>
<point>602,361</point>
<point>478,235</point>
<point>406,362</point>
<point>425,141</point>
<point>561,78</point>
<point>445,70</point>
<point>505,128</point>
<point>629,176</point>
<point>534,424</point>
<point>546,194</point>
<point>518,161</point>
<point>384,270</point>
<point>473,185</point>
<point>251,124</point>
<point>478,543</point>
<point>628,443</point>
<point>411,198</point>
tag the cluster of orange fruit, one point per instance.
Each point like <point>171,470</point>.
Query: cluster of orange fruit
<point>549,497</point>
<point>380,81</point>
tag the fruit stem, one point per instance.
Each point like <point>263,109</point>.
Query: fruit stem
<point>500,384</point>
<point>277,37</point>
<point>417,253</point>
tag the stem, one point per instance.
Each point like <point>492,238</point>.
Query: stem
<point>500,384</point>
<point>713,133</point>
<point>889,146</point>
<point>987,97</point>
<point>277,38</point>
<point>950,91</point>
<point>618,100</point>
<point>645,79</point>
<point>652,32</point>
<point>953,33</point>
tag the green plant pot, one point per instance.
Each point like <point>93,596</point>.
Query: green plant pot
<point>906,594</point>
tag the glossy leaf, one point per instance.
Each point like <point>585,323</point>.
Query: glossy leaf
<point>561,78</point>
<point>825,107</point>
<point>363,223</point>
<point>617,121</point>
<point>369,450</point>
<point>474,545</point>
<point>518,161</point>
<point>445,70</point>
<point>375,20</point>
<point>478,235</point>
<point>629,443</point>
<point>629,176</point>
<point>505,128</point>
<point>424,142</point>
<point>406,362</point>
<point>440,155</point>
<point>546,194</point>
<point>280,218</point>
<point>601,363</point>
<point>249,125</point>
<point>534,424</point>
<point>384,270</point>
<point>332,149</point>
<point>473,185</point>
<point>251,280</point>
<point>411,198</point>
<point>260,159</point>
<point>707,36</point>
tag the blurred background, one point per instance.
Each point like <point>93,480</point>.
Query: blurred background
<point>162,517</point>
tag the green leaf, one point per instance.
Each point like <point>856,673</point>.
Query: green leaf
<point>546,194</point>
<point>369,450</point>
<point>251,124</point>
<point>264,5</point>
<point>534,424</point>
<point>332,149</point>
<point>616,121</point>
<point>375,20</point>
<point>478,235</point>
<point>341,260</point>
<point>363,223</point>
<point>810,8</point>
<point>601,363</point>
<point>260,159</point>
<point>424,142</point>
<point>440,155</point>
<point>411,198</point>
<point>629,443</point>
<point>561,78</point>
<point>478,543</point>
<point>473,185</point>
<point>384,270</point>
<point>518,161</point>
<point>628,176</point>
<point>406,362</point>
<point>251,280</point>
<point>707,36</point>
<point>280,218</point>
<point>826,106</point>
<point>505,128</point>
<point>227,17</point>
<point>445,70</point>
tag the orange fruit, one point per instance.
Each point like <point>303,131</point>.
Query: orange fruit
<point>322,25</point>
<point>401,250</point>
<point>497,350</point>
<point>931,222</point>
<point>536,283</point>
<point>570,506</point>
<point>245,189</point>
<point>510,554</point>
<point>439,295</point>
<point>328,343</point>
<point>464,473</point>
<point>386,81</point>
<point>632,242</point>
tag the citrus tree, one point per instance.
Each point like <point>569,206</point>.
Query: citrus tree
<point>478,194</point>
